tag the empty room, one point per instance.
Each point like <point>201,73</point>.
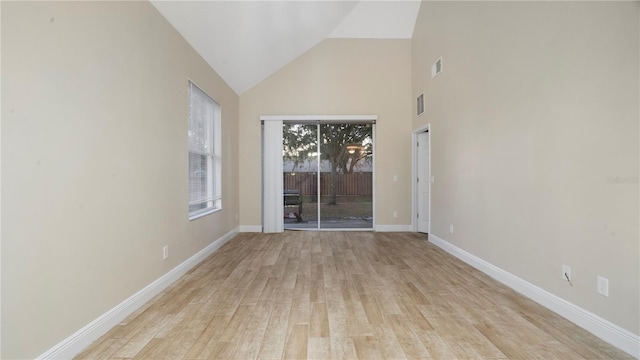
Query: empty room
<point>320,180</point>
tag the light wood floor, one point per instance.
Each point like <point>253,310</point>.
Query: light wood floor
<point>342,295</point>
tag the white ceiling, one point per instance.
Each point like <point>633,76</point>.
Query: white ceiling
<point>246,41</point>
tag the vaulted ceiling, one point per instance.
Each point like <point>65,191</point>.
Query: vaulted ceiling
<point>246,41</point>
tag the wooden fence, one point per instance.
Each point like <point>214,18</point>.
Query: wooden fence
<point>360,183</point>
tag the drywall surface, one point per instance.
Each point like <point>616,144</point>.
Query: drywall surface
<point>339,77</point>
<point>535,149</point>
<point>94,162</point>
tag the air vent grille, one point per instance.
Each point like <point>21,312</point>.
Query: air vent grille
<point>436,68</point>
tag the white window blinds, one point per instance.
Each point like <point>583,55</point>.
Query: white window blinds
<point>204,153</point>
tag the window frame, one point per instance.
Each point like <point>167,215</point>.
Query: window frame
<point>212,200</point>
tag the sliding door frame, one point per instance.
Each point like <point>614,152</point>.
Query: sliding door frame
<point>326,119</point>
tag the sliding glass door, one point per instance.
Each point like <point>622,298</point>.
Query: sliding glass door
<point>328,175</point>
<point>300,175</point>
<point>346,185</point>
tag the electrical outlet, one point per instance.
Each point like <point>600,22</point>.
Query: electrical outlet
<point>603,286</point>
<point>566,273</point>
<point>165,252</point>
<point>395,178</point>
<point>451,229</point>
<point>236,216</point>
<point>395,214</point>
<point>433,179</point>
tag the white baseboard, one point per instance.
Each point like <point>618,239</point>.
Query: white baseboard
<point>393,228</point>
<point>82,338</point>
<point>604,329</point>
<point>250,228</point>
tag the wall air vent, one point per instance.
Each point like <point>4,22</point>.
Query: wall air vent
<point>420,104</point>
<point>436,68</point>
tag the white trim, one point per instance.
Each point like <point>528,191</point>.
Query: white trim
<point>604,329</point>
<point>250,228</point>
<point>82,338</point>
<point>319,117</point>
<point>204,213</point>
<point>392,228</point>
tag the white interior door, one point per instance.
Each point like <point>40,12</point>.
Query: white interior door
<point>424,179</point>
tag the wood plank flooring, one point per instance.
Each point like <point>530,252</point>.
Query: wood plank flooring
<point>342,295</point>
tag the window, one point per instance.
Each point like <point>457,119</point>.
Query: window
<point>204,153</point>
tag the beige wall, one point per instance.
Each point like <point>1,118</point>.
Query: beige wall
<point>534,116</point>
<point>339,77</point>
<point>94,162</point>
